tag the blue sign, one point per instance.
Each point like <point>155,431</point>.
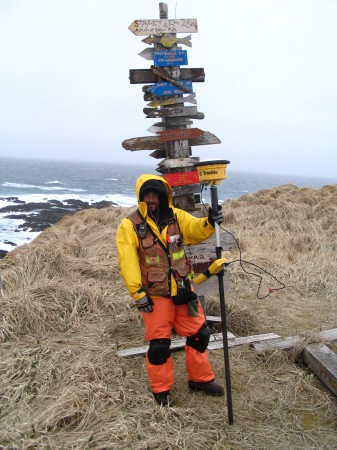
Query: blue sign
<point>171,58</point>
<point>166,88</point>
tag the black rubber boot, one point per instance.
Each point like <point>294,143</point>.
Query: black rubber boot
<point>163,398</point>
<point>209,387</point>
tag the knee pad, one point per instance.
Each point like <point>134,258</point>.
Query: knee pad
<point>159,351</point>
<point>199,341</point>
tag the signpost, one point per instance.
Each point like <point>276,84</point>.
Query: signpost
<point>167,87</point>
<point>171,58</point>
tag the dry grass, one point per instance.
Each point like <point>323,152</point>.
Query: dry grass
<point>64,313</point>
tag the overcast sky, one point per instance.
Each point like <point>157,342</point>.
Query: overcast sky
<point>270,92</point>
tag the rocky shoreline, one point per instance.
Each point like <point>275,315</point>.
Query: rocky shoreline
<point>39,216</point>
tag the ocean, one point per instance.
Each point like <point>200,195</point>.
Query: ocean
<point>38,181</point>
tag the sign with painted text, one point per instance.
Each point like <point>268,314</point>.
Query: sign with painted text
<point>182,178</point>
<point>166,88</point>
<point>160,26</point>
<point>170,58</point>
<point>181,133</point>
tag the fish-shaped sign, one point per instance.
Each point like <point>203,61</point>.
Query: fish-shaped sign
<point>173,101</point>
<point>168,41</point>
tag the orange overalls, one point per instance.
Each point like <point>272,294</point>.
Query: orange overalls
<point>157,263</point>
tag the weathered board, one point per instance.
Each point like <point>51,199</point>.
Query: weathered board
<point>179,133</point>
<point>323,363</point>
<point>171,111</point>
<point>215,343</point>
<point>170,58</point>
<point>160,26</point>
<point>153,142</point>
<point>289,343</point>
<point>142,76</point>
<point>168,41</point>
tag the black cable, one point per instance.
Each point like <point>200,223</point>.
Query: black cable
<point>248,262</point>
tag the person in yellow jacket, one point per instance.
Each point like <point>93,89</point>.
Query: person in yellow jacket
<point>157,275</point>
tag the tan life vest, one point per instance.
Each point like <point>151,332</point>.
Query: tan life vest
<point>157,261</point>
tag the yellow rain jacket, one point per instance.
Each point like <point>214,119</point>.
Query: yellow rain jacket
<point>193,231</point>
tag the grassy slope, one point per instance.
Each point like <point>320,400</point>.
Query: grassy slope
<point>65,312</point>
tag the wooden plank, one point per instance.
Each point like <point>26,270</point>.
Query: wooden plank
<point>158,154</point>
<point>323,363</point>
<point>168,40</point>
<point>215,343</point>
<point>179,133</point>
<point>142,76</point>
<point>289,343</point>
<point>153,142</point>
<point>171,111</point>
<point>175,163</point>
<point>142,27</point>
<point>176,344</point>
<point>206,138</point>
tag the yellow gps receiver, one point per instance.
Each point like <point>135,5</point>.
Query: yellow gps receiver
<point>212,171</point>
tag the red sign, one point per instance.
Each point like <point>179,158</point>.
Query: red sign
<point>181,133</point>
<point>181,178</point>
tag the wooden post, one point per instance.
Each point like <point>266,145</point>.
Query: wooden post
<point>171,83</point>
<point>179,148</point>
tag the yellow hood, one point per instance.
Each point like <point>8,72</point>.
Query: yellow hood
<point>146,177</point>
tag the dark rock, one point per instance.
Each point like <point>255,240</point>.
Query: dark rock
<point>3,253</point>
<point>10,243</point>
<point>47,214</point>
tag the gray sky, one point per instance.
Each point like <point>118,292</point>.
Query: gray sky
<point>270,92</point>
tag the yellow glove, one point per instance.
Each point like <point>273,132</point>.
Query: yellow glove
<point>213,269</point>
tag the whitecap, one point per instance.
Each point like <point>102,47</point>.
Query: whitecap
<point>53,182</point>
<point>41,188</point>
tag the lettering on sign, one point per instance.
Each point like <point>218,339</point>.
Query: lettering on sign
<point>160,26</point>
<point>171,58</point>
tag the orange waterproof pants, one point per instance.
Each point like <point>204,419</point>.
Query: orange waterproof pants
<point>158,325</point>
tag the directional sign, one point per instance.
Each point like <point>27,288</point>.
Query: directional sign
<point>154,143</point>
<point>182,178</point>
<point>161,73</point>
<point>168,41</point>
<point>172,101</point>
<point>147,54</point>
<point>140,76</point>
<point>160,26</point>
<point>171,58</point>
<point>166,88</point>
<point>181,133</point>
<point>184,111</point>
